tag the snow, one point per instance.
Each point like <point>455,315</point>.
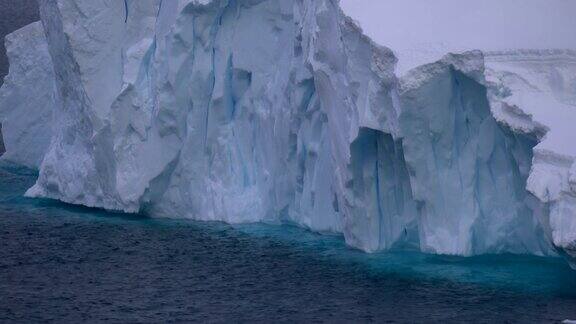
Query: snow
<point>284,111</point>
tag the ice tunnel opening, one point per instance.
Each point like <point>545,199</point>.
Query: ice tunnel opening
<point>386,218</point>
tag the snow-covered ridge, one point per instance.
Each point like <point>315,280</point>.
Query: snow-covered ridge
<point>284,111</point>
<point>534,55</point>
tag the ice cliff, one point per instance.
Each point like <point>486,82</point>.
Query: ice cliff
<point>27,98</point>
<point>283,111</point>
<point>534,92</point>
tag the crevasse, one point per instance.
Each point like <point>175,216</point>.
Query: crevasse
<point>283,111</point>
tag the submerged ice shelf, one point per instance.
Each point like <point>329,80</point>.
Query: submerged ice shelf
<point>284,111</point>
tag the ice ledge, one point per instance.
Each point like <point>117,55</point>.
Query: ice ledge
<point>470,63</point>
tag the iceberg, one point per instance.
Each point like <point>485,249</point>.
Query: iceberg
<point>27,98</point>
<point>533,92</point>
<point>284,111</point>
<point>238,111</point>
<point>468,171</point>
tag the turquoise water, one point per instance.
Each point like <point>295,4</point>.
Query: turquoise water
<point>70,264</point>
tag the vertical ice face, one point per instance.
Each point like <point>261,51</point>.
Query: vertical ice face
<point>283,111</point>
<point>87,64</point>
<point>380,184</point>
<point>468,172</point>
<point>533,91</point>
<point>27,97</point>
<point>225,110</point>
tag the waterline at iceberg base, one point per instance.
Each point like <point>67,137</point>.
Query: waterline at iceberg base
<point>282,111</point>
<point>71,263</point>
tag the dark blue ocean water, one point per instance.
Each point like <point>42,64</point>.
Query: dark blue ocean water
<point>69,264</point>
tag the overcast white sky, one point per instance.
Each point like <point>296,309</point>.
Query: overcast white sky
<point>407,26</point>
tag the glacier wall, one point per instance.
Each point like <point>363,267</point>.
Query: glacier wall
<point>237,111</point>
<point>533,91</point>
<point>282,111</point>
<point>27,97</point>
<point>469,172</point>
